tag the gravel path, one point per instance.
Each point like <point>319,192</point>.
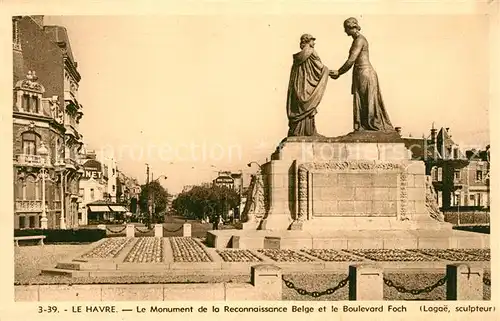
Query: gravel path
<point>30,260</point>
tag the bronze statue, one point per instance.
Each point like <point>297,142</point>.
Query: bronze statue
<point>308,79</point>
<point>369,109</point>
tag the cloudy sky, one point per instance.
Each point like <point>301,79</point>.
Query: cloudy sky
<point>190,94</point>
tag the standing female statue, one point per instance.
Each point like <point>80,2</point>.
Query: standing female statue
<point>369,109</point>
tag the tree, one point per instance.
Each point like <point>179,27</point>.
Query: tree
<point>206,201</point>
<point>155,191</point>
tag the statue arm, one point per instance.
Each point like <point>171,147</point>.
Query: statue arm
<point>356,47</point>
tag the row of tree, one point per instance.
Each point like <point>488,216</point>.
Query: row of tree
<point>206,201</point>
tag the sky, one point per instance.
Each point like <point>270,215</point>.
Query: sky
<point>190,95</point>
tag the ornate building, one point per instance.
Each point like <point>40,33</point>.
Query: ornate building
<point>46,115</point>
<point>460,179</point>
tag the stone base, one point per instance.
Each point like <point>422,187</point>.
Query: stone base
<point>335,224</point>
<point>352,239</point>
<point>276,222</point>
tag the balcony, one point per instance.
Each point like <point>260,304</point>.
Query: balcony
<point>32,160</point>
<point>28,206</point>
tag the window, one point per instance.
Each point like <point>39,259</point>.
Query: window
<point>22,222</point>
<point>34,104</point>
<point>479,175</point>
<point>114,188</point>
<point>26,102</point>
<point>29,143</point>
<point>32,221</point>
<point>113,171</point>
<point>79,215</point>
<point>457,175</point>
<point>92,194</point>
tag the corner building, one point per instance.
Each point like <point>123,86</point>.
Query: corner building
<point>46,116</point>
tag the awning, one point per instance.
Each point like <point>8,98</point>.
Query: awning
<point>99,208</point>
<point>118,208</point>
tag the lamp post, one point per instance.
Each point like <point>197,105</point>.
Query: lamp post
<point>43,152</point>
<point>153,206</point>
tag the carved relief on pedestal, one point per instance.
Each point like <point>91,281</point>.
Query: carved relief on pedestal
<point>431,201</point>
<point>403,196</point>
<point>302,192</point>
<point>303,195</point>
<point>255,207</point>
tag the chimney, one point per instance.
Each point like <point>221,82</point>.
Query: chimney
<point>398,130</point>
<point>433,134</point>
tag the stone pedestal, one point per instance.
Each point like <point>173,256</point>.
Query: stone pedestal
<point>355,182</point>
<point>278,178</point>
<point>267,278</point>
<point>186,230</point>
<point>366,283</point>
<point>158,230</point>
<point>130,230</point>
<point>464,282</point>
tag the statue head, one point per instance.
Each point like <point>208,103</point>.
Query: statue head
<point>351,26</point>
<point>306,39</point>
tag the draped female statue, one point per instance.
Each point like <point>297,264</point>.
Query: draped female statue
<point>369,110</point>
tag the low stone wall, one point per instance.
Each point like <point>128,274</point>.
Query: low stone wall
<point>364,283</point>
<point>265,285</point>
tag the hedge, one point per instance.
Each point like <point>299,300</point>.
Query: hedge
<point>69,235</point>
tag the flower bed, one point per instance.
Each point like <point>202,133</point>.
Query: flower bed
<point>108,249</point>
<point>238,256</point>
<point>146,250</point>
<point>450,255</point>
<point>285,255</point>
<point>331,255</point>
<point>391,255</point>
<point>185,249</point>
<point>482,254</point>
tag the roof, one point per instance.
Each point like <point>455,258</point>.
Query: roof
<point>92,163</point>
<point>59,35</point>
<point>416,146</point>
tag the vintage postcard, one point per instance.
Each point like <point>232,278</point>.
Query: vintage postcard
<point>324,164</point>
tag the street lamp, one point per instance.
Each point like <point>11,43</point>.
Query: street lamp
<point>43,152</point>
<point>253,162</point>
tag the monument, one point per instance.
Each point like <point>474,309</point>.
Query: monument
<point>359,190</point>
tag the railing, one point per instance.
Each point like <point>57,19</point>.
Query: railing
<point>27,159</point>
<point>28,206</point>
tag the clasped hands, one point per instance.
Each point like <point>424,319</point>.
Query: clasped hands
<point>334,74</point>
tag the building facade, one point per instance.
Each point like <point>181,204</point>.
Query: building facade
<point>93,185</point>
<point>110,166</point>
<point>46,114</point>
<point>459,178</point>
<point>128,191</point>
